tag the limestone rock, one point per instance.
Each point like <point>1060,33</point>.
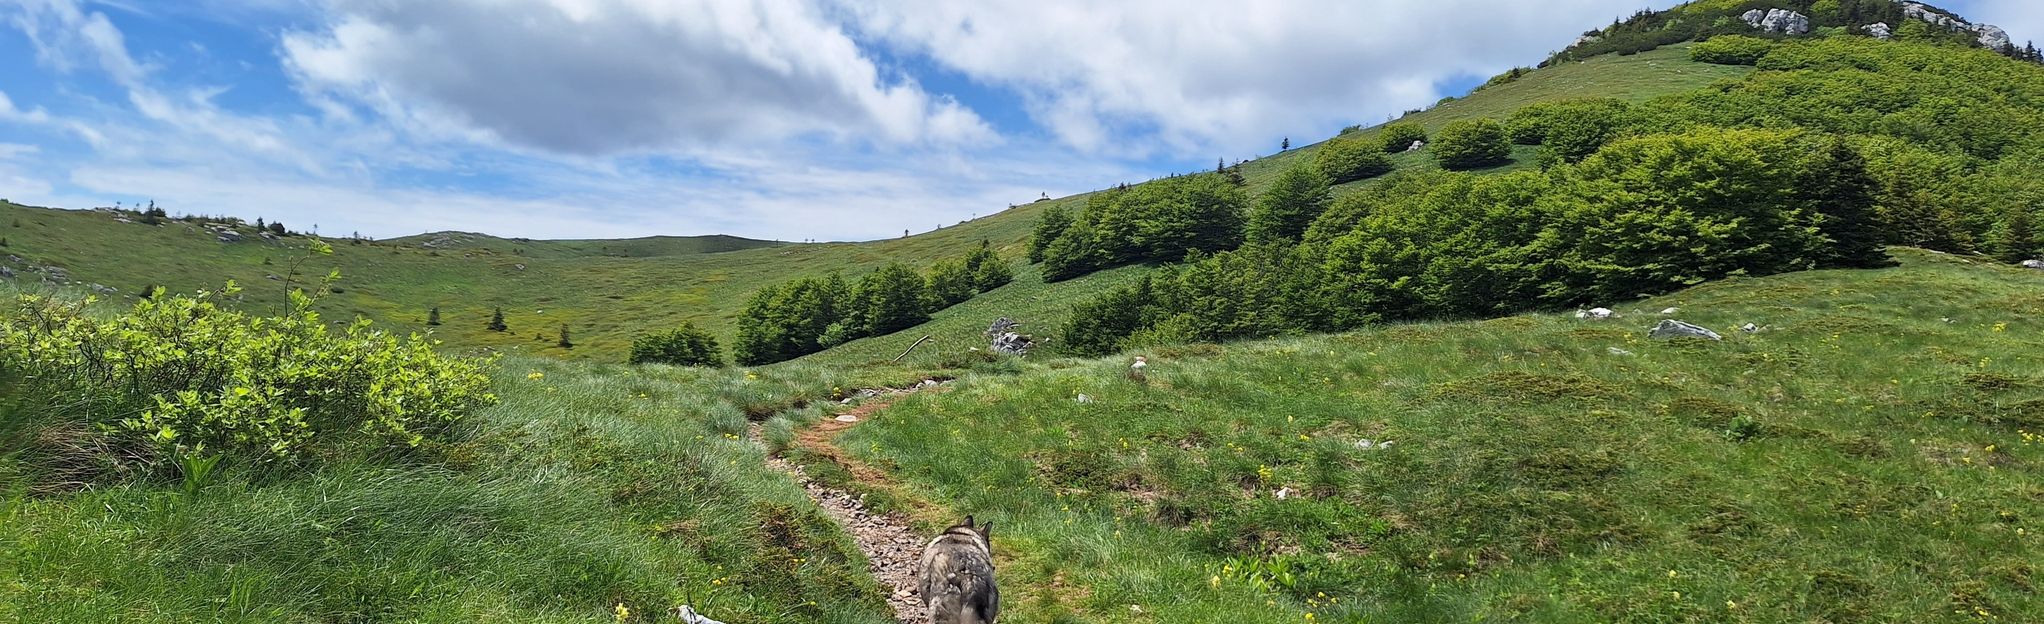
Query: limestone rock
<point>2033,264</point>
<point>1595,313</point>
<point>229,236</point>
<point>1991,36</point>
<point>1416,146</point>
<point>1754,17</point>
<point>1785,22</point>
<point>1880,31</point>
<point>1671,328</point>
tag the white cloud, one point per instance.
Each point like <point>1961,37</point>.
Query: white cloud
<point>600,77</point>
<point>1234,75</point>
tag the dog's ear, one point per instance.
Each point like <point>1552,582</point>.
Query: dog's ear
<point>986,532</point>
<point>968,522</point>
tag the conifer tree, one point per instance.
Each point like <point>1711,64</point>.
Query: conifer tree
<point>1842,190</point>
<point>2014,236</point>
<point>564,342</point>
<point>433,316</point>
<point>497,321</point>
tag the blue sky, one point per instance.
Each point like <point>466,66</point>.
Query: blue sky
<point>788,119</point>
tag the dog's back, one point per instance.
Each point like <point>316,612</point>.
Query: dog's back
<point>958,577</point>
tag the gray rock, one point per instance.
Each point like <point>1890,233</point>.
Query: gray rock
<point>6,272</point>
<point>1085,399</point>
<point>1619,352</point>
<point>1880,31</point>
<point>1785,22</point>
<point>104,289</point>
<point>2033,264</point>
<point>1920,11</point>
<point>1595,313</point>
<point>1992,36</point>
<point>1754,17</point>
<point>1416,146</point>
<point>229,236</point>
<point>1671,328</point>
<point>1749,328</point>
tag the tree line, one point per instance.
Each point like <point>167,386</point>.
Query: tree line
<point>788,320</point>
<point>1835,150</point>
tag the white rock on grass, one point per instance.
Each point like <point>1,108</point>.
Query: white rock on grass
<point>1085,399</point>
<point>688,615</point>
<point>1620,352</point>
<point>1671,328</point>
<point>1670,311</point>
<point>1595,313</point>
<point>2033,264</point>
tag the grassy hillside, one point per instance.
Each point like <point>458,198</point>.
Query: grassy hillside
<point>608,291</point>
<point>1871,454</point>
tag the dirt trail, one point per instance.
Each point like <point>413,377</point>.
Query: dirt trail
<point>891,546</point>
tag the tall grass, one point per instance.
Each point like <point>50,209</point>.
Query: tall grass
<point>589,486</point>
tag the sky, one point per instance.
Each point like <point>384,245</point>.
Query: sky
<point>778,119</point>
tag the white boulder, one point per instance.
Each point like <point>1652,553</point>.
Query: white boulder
<point>1671,328</point>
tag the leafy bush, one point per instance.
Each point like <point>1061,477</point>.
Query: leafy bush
<point>1472,144</point>
<point>182,374</point>
<point>687,345</point>
<point>1731,50</point>
<point>1345,160</point>
<point>1049,227</point>
<point>1398,137</point>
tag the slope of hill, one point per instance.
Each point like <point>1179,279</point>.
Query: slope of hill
<point>608,291</point>
<point>645,247</point>
<point>1872,453</point>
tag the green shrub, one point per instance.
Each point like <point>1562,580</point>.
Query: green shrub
<point>1398,137</point>
<point>687,345</point>
<point>987,269</point>
<point>1472,144</point>
<point>1731,50</point>
<point>1344,160</point>
<point>182,374</point>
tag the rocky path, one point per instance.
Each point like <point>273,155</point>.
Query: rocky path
<point>892,548</point>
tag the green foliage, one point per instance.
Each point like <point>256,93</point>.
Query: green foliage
<point>951,283</point>
<point>1471,144</point>
<point>1396,138</point>
<point>497,321</point>
<point>686,345</point>
<point>1731,50</point>
<point>2015,237</point>
<point>1049,228</point>
<point>987,269</point>
<point>1292,202</point>
<point>1161,220</point>
<point>899,299</point>
<point>1570,129</point>
<point>1841,191</point>
<point>177,372</point>
<point>1341,161</point>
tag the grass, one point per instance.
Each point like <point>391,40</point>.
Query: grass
<point>609,291</point>
<point>1860,459</point>
<point>589,486</point>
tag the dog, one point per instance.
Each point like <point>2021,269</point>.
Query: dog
<point>958,576</point>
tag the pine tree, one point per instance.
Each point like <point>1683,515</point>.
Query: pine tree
<point>1842,190</point>
<point>1286,145</point>
<point>564,342</point>
<point>497,321</point>
<point>260,225</point>
<point>433,316</point>
<point>2014,237</point>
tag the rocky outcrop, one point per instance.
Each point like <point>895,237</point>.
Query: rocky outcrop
<point>1991,36</point>
<point>1781,21</point>
<point>1880,31</point>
